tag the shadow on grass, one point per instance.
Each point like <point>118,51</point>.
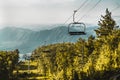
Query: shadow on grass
<point>28,76</point>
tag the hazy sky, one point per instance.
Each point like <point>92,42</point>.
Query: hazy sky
<point>20,12</point>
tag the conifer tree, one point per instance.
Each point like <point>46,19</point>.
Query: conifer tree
<point>107,24</point>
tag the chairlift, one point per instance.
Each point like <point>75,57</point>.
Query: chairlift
<point>46,51</point>
<point>76,28</point>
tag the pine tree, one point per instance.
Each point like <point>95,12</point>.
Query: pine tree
<point>107,24</point>
<point>90,44</point>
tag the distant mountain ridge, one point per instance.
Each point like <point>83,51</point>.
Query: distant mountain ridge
<point>27,40</point>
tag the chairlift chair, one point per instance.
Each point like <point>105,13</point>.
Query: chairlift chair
<point>46,51</point>
<point>76,28</point>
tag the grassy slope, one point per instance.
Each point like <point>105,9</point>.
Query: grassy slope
<point>32,74</point>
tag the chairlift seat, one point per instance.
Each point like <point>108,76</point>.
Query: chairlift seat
<point>77,33</point>
<point>46,51</point>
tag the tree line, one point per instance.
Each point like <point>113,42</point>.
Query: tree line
<point>97,58</point>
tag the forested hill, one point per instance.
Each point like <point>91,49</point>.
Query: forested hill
<point>27,40</point>
<point>92,59</point>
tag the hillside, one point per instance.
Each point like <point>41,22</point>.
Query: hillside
<point>58,56</point>
<point>93,59</point>
<point>27,40</point>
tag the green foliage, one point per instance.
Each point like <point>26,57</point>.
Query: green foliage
<point>107,24</point>
<point>8,61</point>
<point>87,60</point>
<point>94,59</point>
<point>90,59</point>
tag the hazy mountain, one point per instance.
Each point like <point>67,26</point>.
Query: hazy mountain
<point>27,40</point>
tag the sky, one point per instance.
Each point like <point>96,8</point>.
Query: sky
<point>27,12</point>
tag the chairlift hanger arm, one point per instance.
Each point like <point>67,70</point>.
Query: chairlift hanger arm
<point>74,15</point>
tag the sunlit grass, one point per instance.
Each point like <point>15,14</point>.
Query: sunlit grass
<point>34,73</point>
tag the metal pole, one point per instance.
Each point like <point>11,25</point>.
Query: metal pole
<point>72,70</point>
<point>28,58</point>
<point>28,65</point>
<point>74,15</point>
<point>45,71</point>
<point>82,55</point>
